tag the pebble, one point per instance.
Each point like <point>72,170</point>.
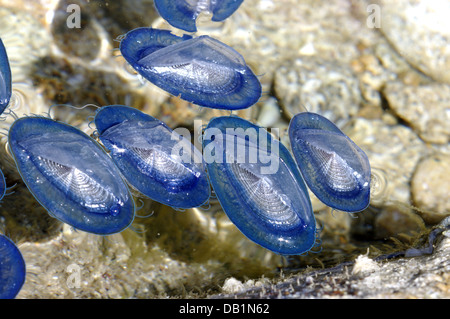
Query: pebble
<point>81,38</point>
<point>426,108</point>
<point>397,221</point>
<point>364,266</point>
<point>394,150</point>
<point>430,187</point>
<point>317,85</point>
<point>232,285</point>
<point>420,31</point>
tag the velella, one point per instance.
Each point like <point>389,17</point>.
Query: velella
<point>141,42</point>
<point>335,169</point>
<point>259,185</point>
<point>2,185</point>
<point>70,175</point>
<point>5,78</point>
<point>158,162</point>
<point>182,14</point>
<point>12,269</point>
<point>201,70</point>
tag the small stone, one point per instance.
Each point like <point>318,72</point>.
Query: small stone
<point>420,32</point>
<point>430,188</point>
<point>425,108</point>
<point>393,150</point>
<point>364,266</point>
<point>83,40</point>
<point>397,221</point>
<point>232,285</point>
<point>269,113</point>
<point>317,85</point>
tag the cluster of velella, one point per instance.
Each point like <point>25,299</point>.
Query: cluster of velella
<point>79,183</point>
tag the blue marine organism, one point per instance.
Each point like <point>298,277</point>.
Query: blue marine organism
<point>158,162</point>
<point>182,13</point>
<point>335,169</point>
<point>12,269</point>
<point>71,175</point>
<point>259,185</point>
<point>200,70</point>
<point>2,185</point>
<point>140,42</point>
<point>5,78</point>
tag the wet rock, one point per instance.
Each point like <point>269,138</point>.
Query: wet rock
<point>317,85</point>
<point>397,221</point>
<point>378,65</point>
<point>278,35</point>
<point>127,265</point>
<point>371,77</point>
<point>426,108</point>
<point>420,32</point>
<point>91,34</point>
<point>121,16</point>
<point>426,276</point>
<point>26,41</point>
<point>78,36</point>
<point>393,151</point>
<point>364,266</point>
<point>430,188</point>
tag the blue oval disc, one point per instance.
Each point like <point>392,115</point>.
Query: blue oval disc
<point>71,175</point>
<point>155,160</point>
<point>335,169</point>
<point>182,13</point>
<point>200,70</point>
<point>5,78</point>
<point>259,185</point>
<point>12,269</point>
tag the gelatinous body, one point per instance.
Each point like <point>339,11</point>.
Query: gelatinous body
<point>5,78</point>
<point>264,196</point>
<point>71,175</point>
<point>141,42</point>
<point>2,185</point>
<point>182,13</point>
<point>12,269</point>
<point>148,152</point>
<point>200,70</point>
<point>335,169</point>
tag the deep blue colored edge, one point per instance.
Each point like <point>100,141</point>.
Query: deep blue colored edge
<point>99,231</point>
<point>5,69</point>
<point>286,156</point>
<point>309,120</point>
<point>19,266</point>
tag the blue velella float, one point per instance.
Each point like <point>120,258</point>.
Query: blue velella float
<point>5,78</point>
<point>2,185</point>
<point>12,269</point>
<point>200,70</point>
<point>335,169</point>
<point>71,175</point>
<point>259,185</point>
<point>140,42</point>
<point>155,160</point>
<point>182,13</point>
